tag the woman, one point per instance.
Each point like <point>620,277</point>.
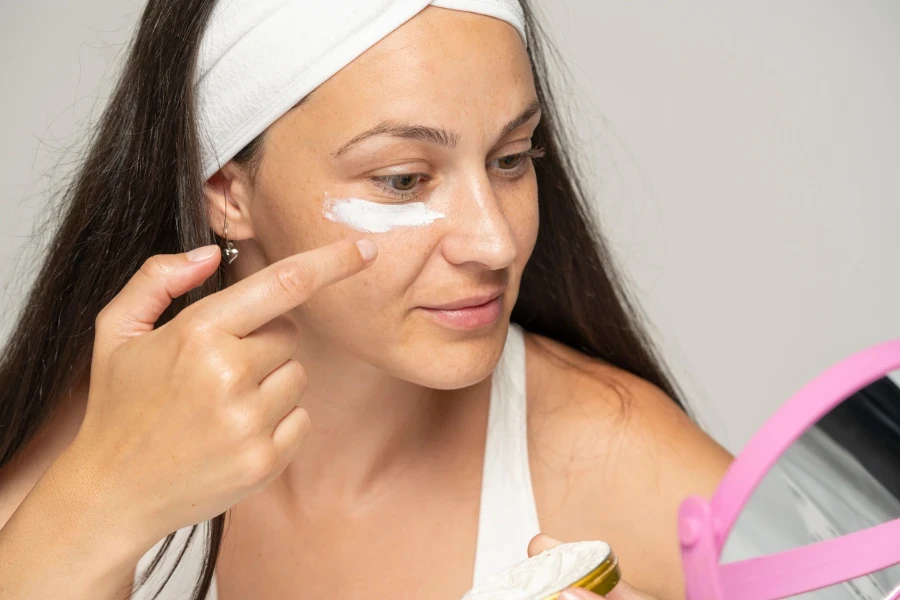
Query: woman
<point>413,356</point>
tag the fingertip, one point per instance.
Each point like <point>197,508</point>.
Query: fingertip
<point>367,249</point>
<point>200,263</point>
<point>202,253</point>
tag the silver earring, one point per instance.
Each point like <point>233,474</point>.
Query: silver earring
<point>229,251</point>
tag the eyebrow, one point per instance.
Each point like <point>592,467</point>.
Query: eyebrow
<point>434,135</point>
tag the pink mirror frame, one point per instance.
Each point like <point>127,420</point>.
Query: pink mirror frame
<point>703,526</point>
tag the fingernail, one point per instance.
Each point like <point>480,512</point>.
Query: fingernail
<point>367,249</point>
<point>576,594</point>
<point>202,253</point>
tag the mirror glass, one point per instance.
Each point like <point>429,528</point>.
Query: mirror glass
<point>841,476</point>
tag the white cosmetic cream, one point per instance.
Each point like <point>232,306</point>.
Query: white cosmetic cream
<point>591,565</point>
<point>374,217</point>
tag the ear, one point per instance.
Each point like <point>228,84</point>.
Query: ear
<point>228,193</point>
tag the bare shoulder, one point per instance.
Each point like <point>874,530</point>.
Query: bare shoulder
<point>612,457</point>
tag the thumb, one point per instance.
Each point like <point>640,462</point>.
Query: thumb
<point>541,542</point>
<point>623,591</point>
<point>137,307</point>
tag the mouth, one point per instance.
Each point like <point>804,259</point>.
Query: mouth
<point>473,312</point>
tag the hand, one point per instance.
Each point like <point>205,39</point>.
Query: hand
<point>622,591</point>
<point>185,420</point>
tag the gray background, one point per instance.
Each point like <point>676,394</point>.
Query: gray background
<point>743,157</point>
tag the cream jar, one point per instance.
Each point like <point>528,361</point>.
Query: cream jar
<point>588,565</point>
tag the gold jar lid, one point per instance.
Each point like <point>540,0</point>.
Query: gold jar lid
<point>601,580</point>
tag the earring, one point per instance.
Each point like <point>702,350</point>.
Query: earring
<point>230,251</point>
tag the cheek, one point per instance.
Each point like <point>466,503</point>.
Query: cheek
<point>523,217</point>
<point>380,292</point>
<point>293,223</point>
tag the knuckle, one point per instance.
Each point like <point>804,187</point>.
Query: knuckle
<point>295,279</point>
<point>103,318</point>
<point>154,267</point>
<point>239,424</point>
<point>230,377</point>
<point>193,331</point>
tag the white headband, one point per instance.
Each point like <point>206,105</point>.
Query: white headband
<point>258,58</point>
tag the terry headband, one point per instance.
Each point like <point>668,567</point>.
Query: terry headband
<point>258,58</point>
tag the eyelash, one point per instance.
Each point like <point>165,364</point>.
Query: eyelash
<point>533,154</point>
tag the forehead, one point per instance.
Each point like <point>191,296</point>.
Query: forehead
<point>441,64</point>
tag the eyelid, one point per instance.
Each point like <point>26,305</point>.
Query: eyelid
<point>524,143</point>
<point>530,153</point>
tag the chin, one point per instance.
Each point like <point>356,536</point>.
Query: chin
<point>444,359</point>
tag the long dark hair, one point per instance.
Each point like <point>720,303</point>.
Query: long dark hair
<point>139,192</point>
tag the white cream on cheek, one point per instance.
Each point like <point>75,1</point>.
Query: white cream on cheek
<point>374,217</point>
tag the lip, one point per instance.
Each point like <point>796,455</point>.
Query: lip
<point>469,316</point>
<point>470,302</point>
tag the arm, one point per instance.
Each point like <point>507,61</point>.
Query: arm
<point>61,543</point>
<point>56,541</point>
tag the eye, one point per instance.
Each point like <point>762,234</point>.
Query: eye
<point>513,165</point>
<point>510,162</point>
<point>401,183</point>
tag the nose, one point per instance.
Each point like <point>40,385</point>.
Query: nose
<point>480,231</point>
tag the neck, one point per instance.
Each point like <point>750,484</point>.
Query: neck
<point>370,429</point>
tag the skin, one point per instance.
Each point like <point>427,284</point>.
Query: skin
<point>386,484</point>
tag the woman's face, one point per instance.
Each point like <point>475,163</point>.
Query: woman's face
<point>417,145</point>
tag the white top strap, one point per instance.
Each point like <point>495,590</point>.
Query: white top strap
<point>508,518</point>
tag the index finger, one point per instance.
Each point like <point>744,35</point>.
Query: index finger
<point>255,300</point>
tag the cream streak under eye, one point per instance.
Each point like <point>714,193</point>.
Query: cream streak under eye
<point>374,217</point>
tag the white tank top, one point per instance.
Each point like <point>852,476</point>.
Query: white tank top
<point>507,519</point>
